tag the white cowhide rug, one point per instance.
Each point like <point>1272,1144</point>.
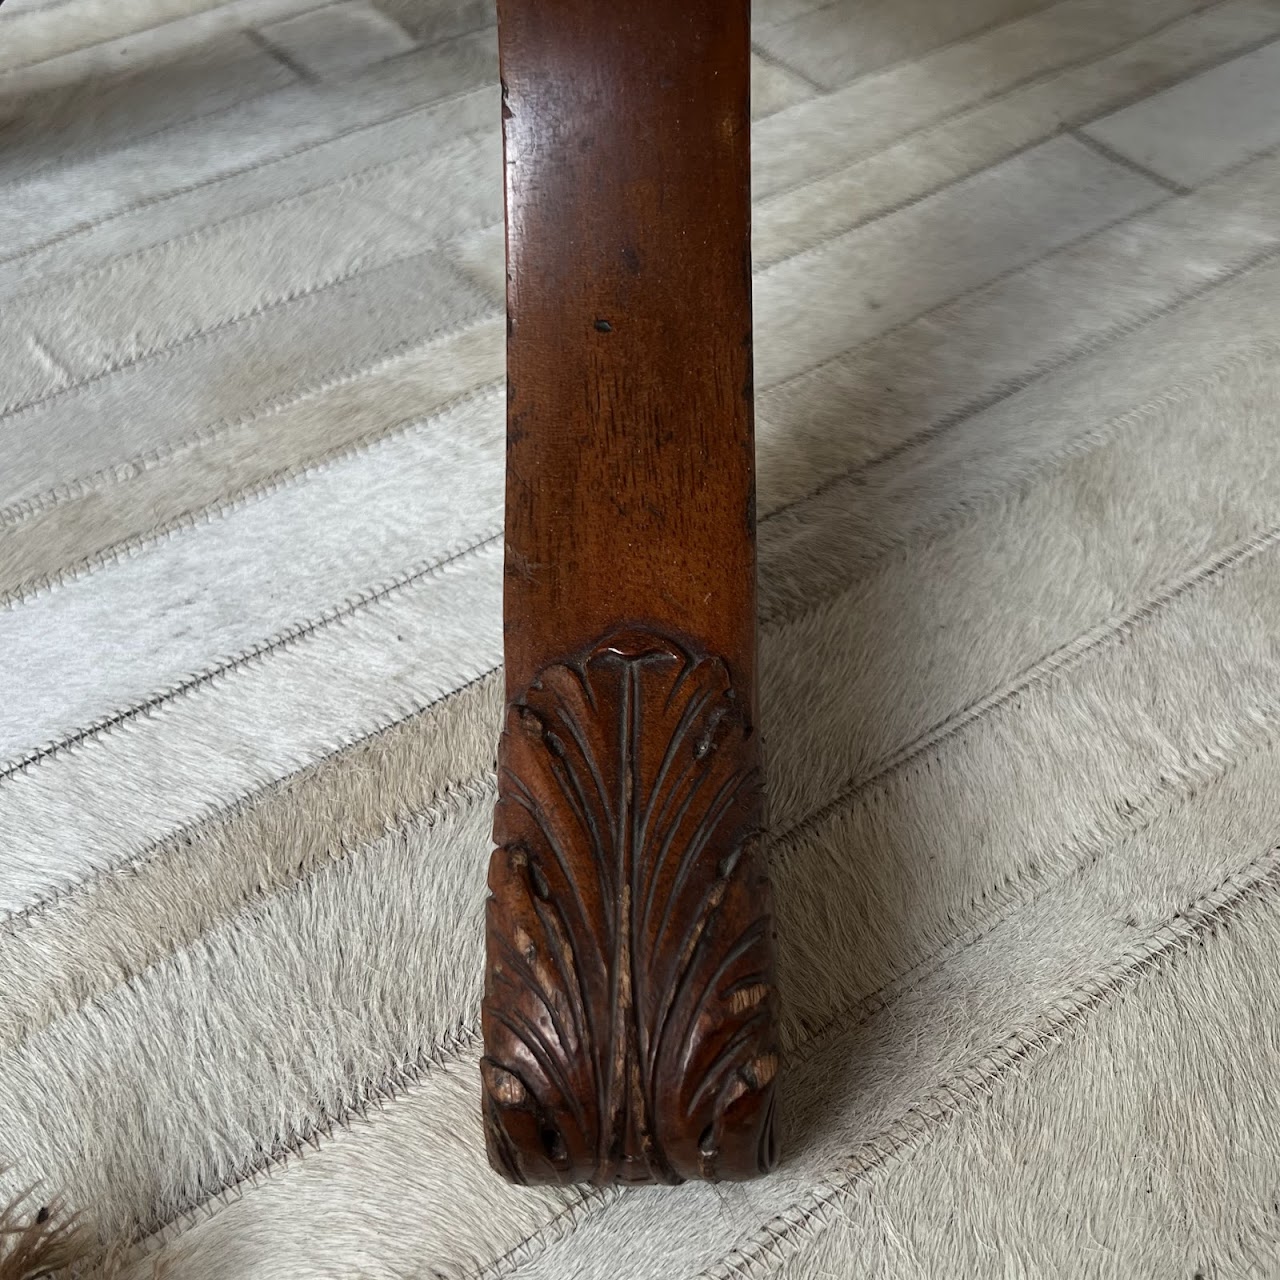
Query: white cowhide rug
<point>1018,323</point>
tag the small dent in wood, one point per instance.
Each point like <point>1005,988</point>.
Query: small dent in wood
<point>520,566</point>
<point>603,326</point>
<point>504,1086</point>
<point>748,997</point>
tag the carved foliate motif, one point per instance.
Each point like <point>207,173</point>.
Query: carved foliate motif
<point>629,1013</point>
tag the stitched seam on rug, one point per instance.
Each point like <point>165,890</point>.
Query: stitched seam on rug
<point>1177,789</point>
<point>280,641</point>
<point>1111,631</point>
<point>986,100</point>
<point>451,800</point>
<point>1115,631</point>
<point>1007,274</point>
<point>1155,206</point>
<point>555,1229</point>
<point>1087,117</point>
<point>18,409</point>
<point>462,796</point>
<point>828,242</point>
<point>1065,68</point>
<point>971,37</point>
<point>1208,567</point>
<point>175,192</point>
<point>355,180</point>
<point>774,1240</point>
<point>1008,898</point>
<point>345,375</point>
<point>1112,156</point>
<point>898,206</point>
<point>168,351</point>
<point>62,163</point>
<point>950,518</point>
<point>399,1078</point>
<point>238,498</point>
<point>103,478</point>
<point>122,35</point>
<point>397,1081</point>
<point>133,33</point>
<point>99,479</point>
<point>46,5</point>
<point>1208,769</point>
<point>283,639</point>
<point>858,1012</point>
<point>1124,329</point>
<point>1039,371</point>
<point>771,59</point>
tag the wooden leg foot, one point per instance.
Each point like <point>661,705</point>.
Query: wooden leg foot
<point>629,1013</point>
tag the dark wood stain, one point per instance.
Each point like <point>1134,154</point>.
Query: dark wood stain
<point>629,1014</point>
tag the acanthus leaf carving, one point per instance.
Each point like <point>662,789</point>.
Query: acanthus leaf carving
<point>629,1014</point>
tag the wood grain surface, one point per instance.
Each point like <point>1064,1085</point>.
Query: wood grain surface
<point>629,1013</point>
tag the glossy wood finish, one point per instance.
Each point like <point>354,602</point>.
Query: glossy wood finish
<point>629,1013</point>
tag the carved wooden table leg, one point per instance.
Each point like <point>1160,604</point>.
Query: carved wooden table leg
<point>629,1014</point>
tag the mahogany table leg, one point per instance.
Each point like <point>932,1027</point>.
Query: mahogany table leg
<point>629,1012</point>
